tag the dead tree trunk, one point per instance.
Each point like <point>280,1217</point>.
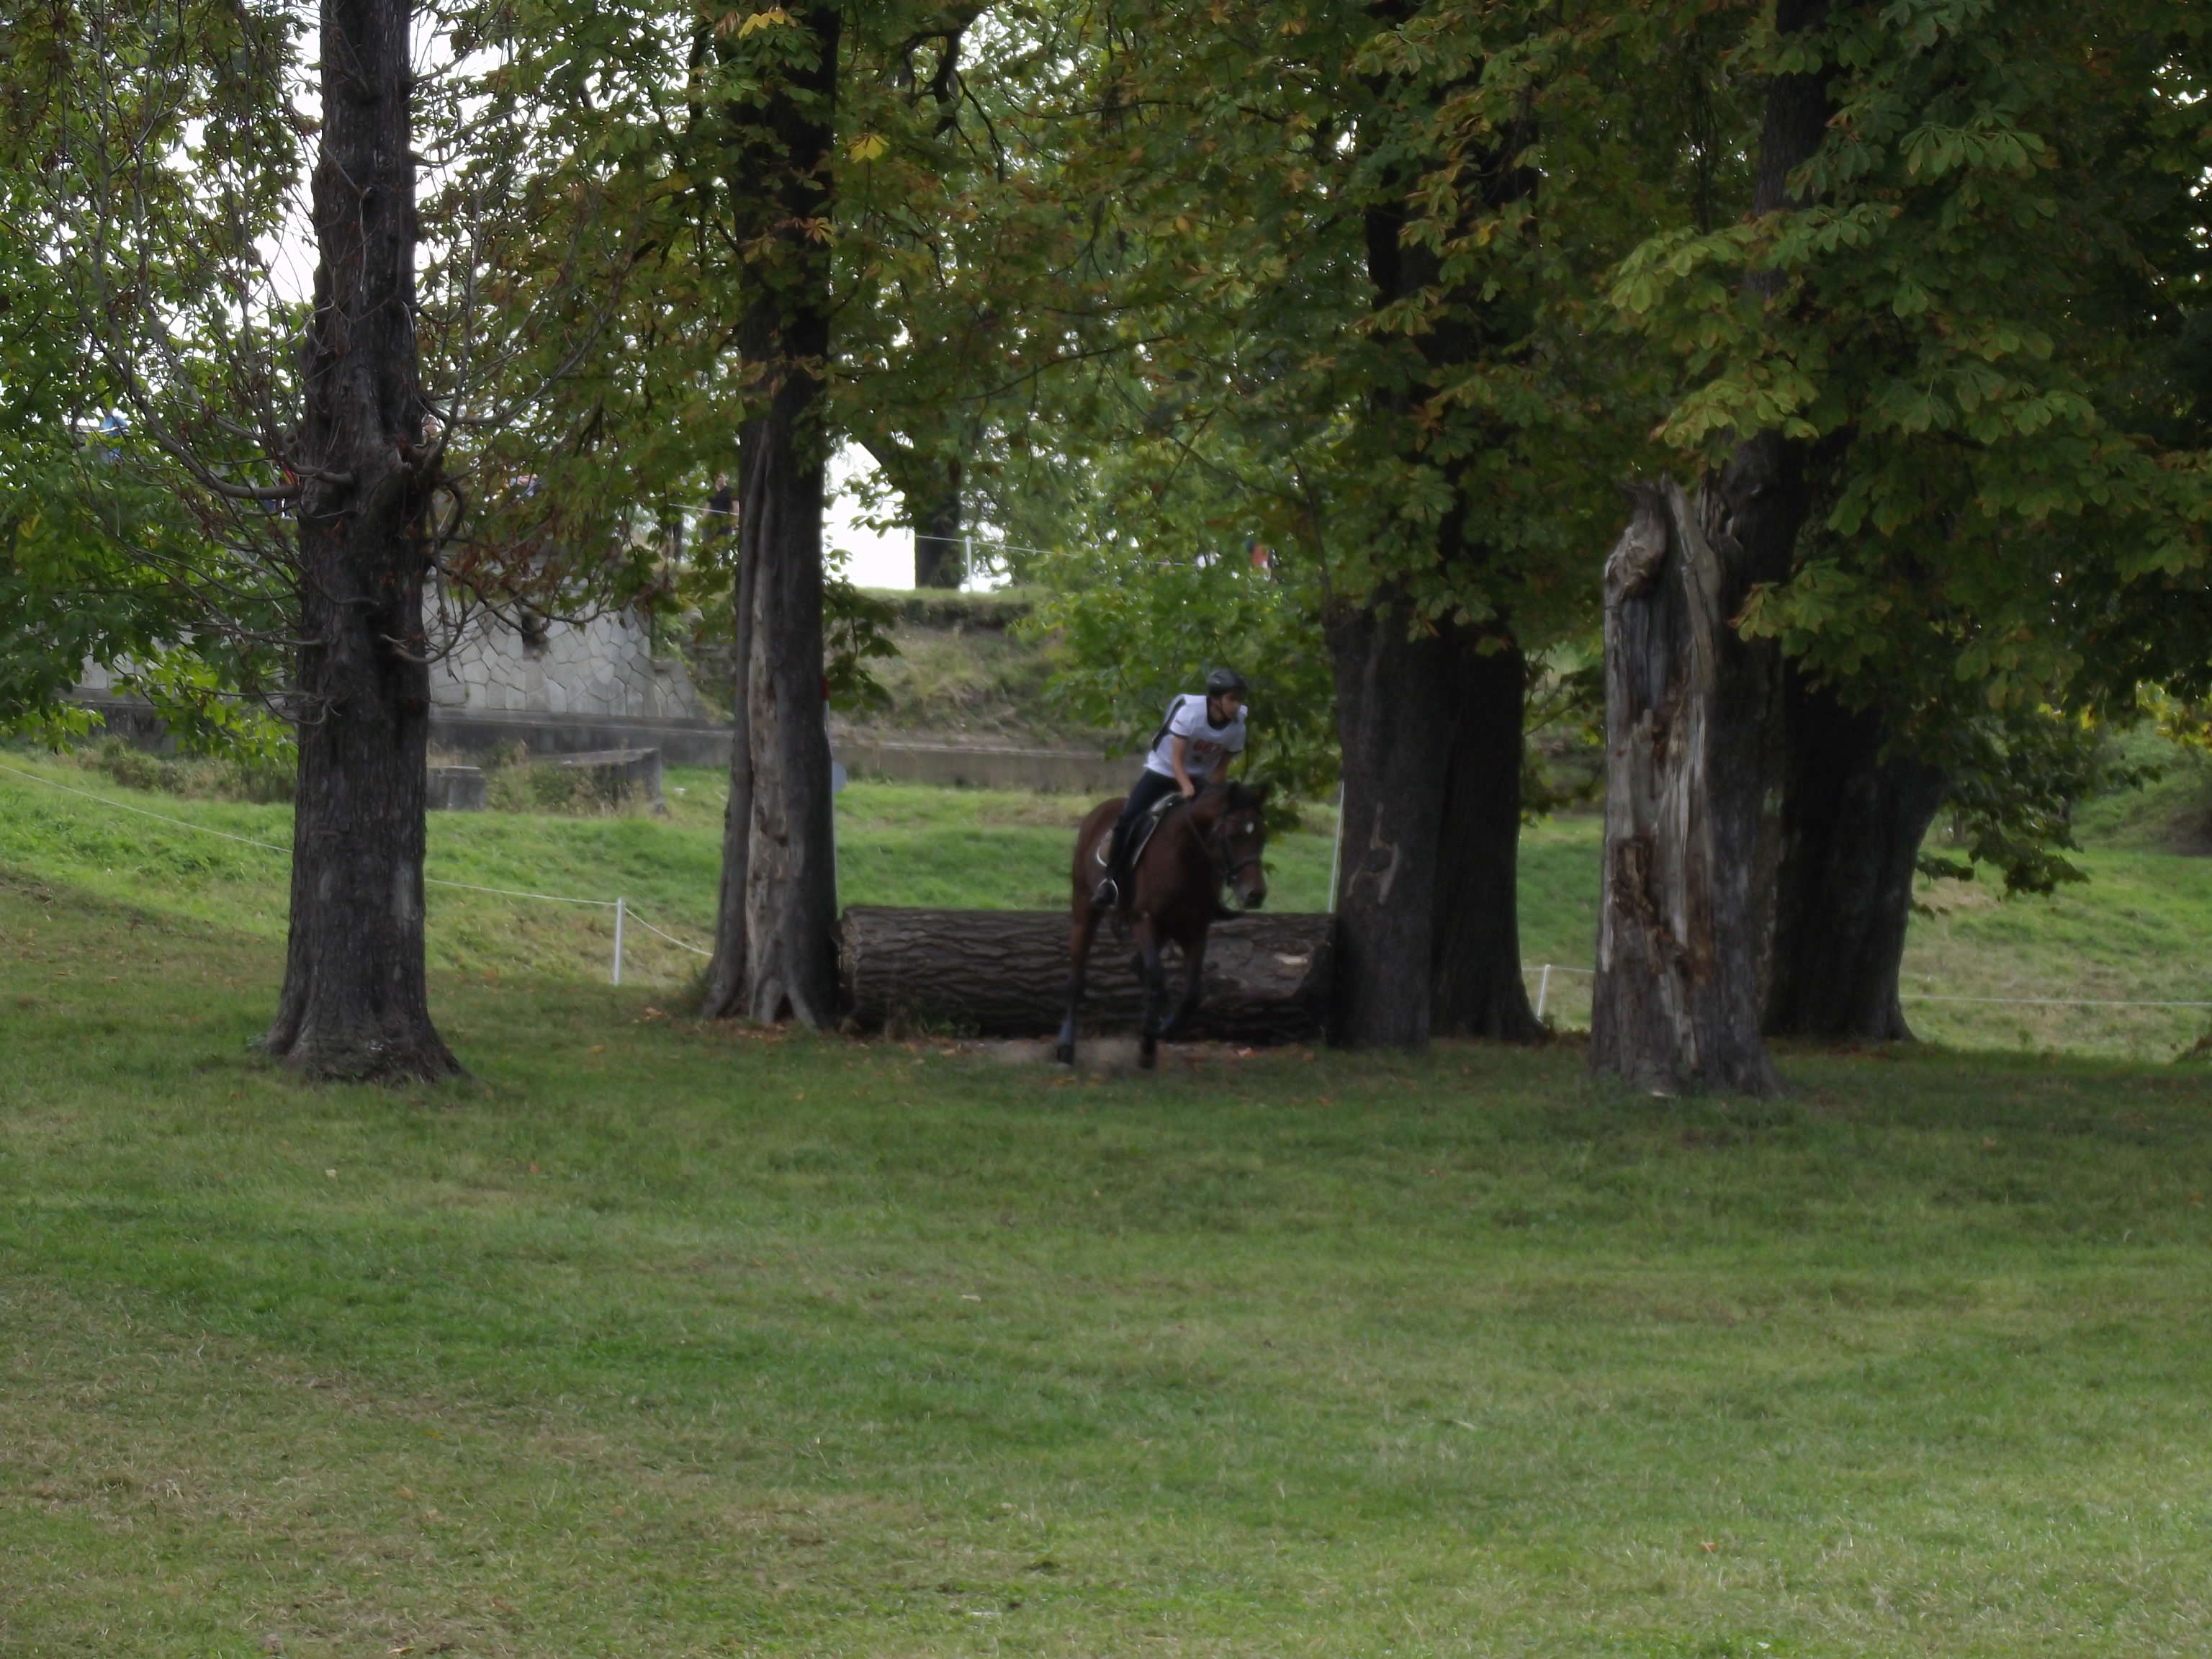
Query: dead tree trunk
<point>1393,722</point>
<point>1475,984</point>
<point>1690,722</point>
<point>1853,818</point>
<point>354,1003</point>
<point>775,952</point>
<point>1004,973</point>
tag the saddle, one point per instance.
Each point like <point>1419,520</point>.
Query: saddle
<point>1140,833</point>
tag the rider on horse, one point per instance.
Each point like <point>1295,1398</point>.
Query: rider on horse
<point>1198,737</point>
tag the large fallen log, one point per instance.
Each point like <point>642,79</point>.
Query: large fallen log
<point>1004,973</point>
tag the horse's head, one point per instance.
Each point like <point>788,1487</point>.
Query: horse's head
<point>1236,825</point>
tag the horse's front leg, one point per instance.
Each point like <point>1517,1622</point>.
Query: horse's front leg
<point>1085,928</point>
<point>1155,975</point>
<point>1194,986</point>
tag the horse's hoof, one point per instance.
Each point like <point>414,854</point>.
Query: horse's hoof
<point>1148,1057</point>
<point>1064,1054</point>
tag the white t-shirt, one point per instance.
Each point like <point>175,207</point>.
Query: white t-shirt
<point>1207,743</point>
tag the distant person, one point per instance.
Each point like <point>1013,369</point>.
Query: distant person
<point>1197,738</point>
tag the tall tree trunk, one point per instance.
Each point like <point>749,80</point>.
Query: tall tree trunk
<point>1690,729</point>
<point>775,952</point>
<point>1475,984</point>
<point>1852,821</point>
<point>355,1003</point>
<point>1442,808</point>
<point>1392,720</point>
<point>940,556</point>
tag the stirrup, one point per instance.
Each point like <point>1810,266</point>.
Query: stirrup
<point>1107,895</point>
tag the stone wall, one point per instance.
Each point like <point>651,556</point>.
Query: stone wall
<point>601,670</point>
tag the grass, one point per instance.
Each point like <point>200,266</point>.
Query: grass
<point>661,1338</point>
<point>898,844</point>
<point>2133,933</point>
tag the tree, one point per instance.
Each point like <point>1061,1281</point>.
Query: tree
<point>774,955</point>
<point>1689,726</point>
<point>278,478</point>
<point>1375,239</point>
<point>1970,215</point>
<point>173,312</point>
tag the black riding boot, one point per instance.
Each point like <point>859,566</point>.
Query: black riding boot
<point>1107,895</point>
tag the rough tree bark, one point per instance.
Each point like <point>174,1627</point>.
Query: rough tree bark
<point>355,1003</point>
<point>1852,821</point>
<point>1448,807</point>
<point>940,557</point>
<point>1394,725</point>
<point>1690,727</point>
<point>1693,720</point>
<point>775,946</point>
<point>1475,982</point>
<point>1003,973</point>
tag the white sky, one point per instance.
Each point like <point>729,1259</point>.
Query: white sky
<point>875,558</point>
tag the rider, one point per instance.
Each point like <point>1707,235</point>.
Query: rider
<point>1198,737</point>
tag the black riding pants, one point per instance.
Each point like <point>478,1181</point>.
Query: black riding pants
<point>1150,786</point>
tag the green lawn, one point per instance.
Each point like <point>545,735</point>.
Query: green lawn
<point>2136,932</point>
<point>656,1340</point>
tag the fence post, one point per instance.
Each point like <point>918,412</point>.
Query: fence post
<point>619,922</point>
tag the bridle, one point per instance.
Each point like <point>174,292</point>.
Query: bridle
<point>1217,843</point>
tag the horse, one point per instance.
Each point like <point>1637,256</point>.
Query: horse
<point>1171,897</point>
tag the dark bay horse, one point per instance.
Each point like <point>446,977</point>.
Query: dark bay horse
<point>1172,898</point>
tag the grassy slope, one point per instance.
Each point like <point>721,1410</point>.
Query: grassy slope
<point>2135,931</point>
<point>658,1339</point>
<point>665,1340</point>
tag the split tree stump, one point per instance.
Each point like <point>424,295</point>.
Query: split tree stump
<point>1004,973</point>
<point>1691,730</point>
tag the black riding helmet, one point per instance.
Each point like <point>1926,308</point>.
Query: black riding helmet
<point>1222,681</point>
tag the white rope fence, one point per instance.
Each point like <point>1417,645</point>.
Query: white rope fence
<point>624,909</point>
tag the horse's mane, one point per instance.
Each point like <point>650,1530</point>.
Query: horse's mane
<point>1232,794</point>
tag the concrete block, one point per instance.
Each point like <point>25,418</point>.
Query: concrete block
<point>457,789</point>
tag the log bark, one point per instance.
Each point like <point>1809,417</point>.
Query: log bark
<point>1854,812</point>
<point>1003,974</point>
<point>1476,987</point>
<point>354,1003</point>
<point>775,947</point>
<point>1394,723</point>
<point>1691,754</point>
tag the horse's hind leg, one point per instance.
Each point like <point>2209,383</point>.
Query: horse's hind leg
<point>1079,962</point>
<point>1193,985</point>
